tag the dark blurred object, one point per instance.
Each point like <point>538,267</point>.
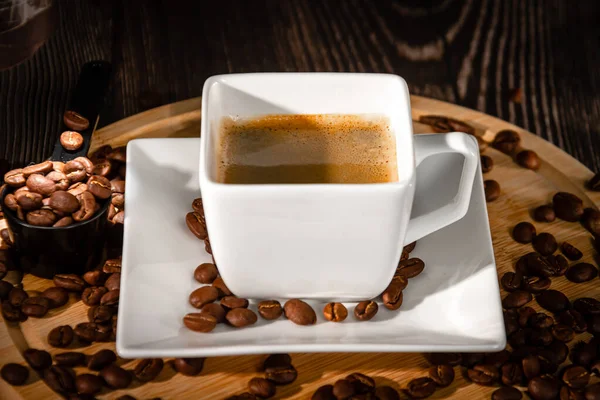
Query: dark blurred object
<point>24,27</point>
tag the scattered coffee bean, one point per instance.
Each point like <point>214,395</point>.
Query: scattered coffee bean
<point>60,379</point>
<point>576,377</point>
<point>14,374</point>
<point>573,319</point>
<point>544,387</point>
<point>203,295</point>
<point>61,336</point>
<point>94,278</point>
<point>582,272</point>
<point>281,375</point>
<point>335,312</point>
<point>511,374</point>
<point>507,393</point>
<point>545,243</point>
<point>270,309</point>
<point>17,296</point>
<point>192,221</point>
<point>30,201</point>
<point>570,251</point>
<point>562,332</point>
<point>91,296</point>
<point>392,296</point>
<point>112,266</point>
<point>12,313</point>
<point>528,159</point>
<point>540,337</point>
<point>584,353</point>
<point>188,366</point>
<point>365,310</point>
<point>35,306</point>
<point>88,332</point>
<point>399,282</point>
<point>99,186</point>
<point>216,310</point>
<point>343,389</point>
<point>410,268</point>
<point>531,366</point>
<point>206,273</point>
<point>198,206</point>
<point>241,317</point>
<point>231,302</point>
<point>75,121</point>
<point>491,189</point>
<point>148,369</point>
<point>591,221</point>
<point>207,247</point>
<point>101,359</point>
<point>487,164</point>
<point>70,359</point>
<point>506,141</point>
<point>111,298</point>
<point>261,387</point>
<point>37,359</point>
<point>553,301</point>
<point>361,382</point>
<point>559,350</point>
<point>567,206</point>
<point>70,282</point>
<point>442,375</point>
<point>420,388</point>
<point>100,314</point>
<point>200,322</point>
<point>222,289</point>
<point>587,306</point>
<point>483,374</point>
<point>544,214</point>
<point>15,178</point>
<point>516,299</point>
<point>470,359</point>
<point>443,124</point>
<point>113,282</point>
<point>299,312</point>
<point>540,321</point>
<point>116,377</point>
<point>71,140</point>
<point>57,296</point>
<point>277,360</point>
<point>535,284</point>
<point>451,359</point>
<point>88,383</point>
<point>326,393</point>
<point>511,281</point>
<point>524,232</point>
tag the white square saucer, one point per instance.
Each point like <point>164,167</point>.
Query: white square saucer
<point>452,306</point>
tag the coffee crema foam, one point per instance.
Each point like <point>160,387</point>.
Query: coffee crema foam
<point>323,148</point>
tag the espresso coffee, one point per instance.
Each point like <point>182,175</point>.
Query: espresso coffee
<point>306,149</point>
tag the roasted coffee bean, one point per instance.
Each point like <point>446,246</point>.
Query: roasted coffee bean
<point>40,217</point>
<point>111,266</point>
<point>516,299</point>
<point>524,232</point>
<point>15,178</point>
<point>70,359</point>
<point>540,337</point>
<point>567,206</point>
<point>506,141</point>
<point>70,282</point>
<point>511,281</point>
<point>299,312</point>
<point>562,333</point>
<point>206,273</point>
<point>91,296</point>
<point>270,309</point>
<point>541,266</point>
<point>64,221</point>
<point>10,201</point>
<point>14,374</point>
<point>545,243</point>
<point>365,310</point>
<point>381,393</point>
<point>442,375</point>
<point>60,180</point>
<point>573,319</point>
<point>37,359</point>
<point>60,379</point>
<point>443,124</point>
<point>94,278</point>
<point>583,353</point>
<point>281,375</point>
<point>343,389</point>
<point>335,312</point>
<point>198,206</point>
<point>88,383</point>
<point>64,202</point>
<point>29,201</point>
<point>111,298</point>
<point>531,366</point>
<point>71,140</point>
<point>148,369</point>
<point>544,214</point>
<point>410,247</point>
<point>188,366</point>
<point>535,284</point>
<point>40,184</point>
<point>87,207</point>
<point>491,189</point>
<point>392,296</point>
<point>119,154</point>
<point>113,282</point>
<point>507,393</point>
<point>216,310</point>
<point>12,313</point>
<point>575,377</point>
<point>101,359</point>
<point>40,169</point>
<point>200,322</point>
<point>512,374</point>
<point>222,289</point>
<point>261,387</point>
<point>207,247</point>
<point>570,251</point>
<point>119,218</point>
<point>192,221</point>
<point>118,200</point>
<point>487,164</point>
<point>58,296</point>
<point>100,314</point>
<point>483,374</point>
<point>528,159</point>
<point>61,336</point>
<point>587,306</point>
<point>99,186</point>
<point>540,321</point>
<point>399,281</point>
<point>582,272</point>
<point>241,317</point>
<point>87,164</point>
<point>592,392</point>
<point>88,332</point>
<point>519,338</point>
<point>75,121</point>
<point>77,188</point>
<point>420,388</point>
<point>561,263</point>
<point>203,295</point>
<point>231,302</point>
<point>326,393</point>
<point>17,296</point>
<point>544,387</point>
<point>511,323</point>
<point>35,306</point>
<point>103,168</point>
<point>116,377</point>
<point>559,350</point>
<point>566,393</point>
<point>591,221</point>
<point>361,382</point>
<point>593,324</point>
<point>410,268</point>
<point>553,301</point>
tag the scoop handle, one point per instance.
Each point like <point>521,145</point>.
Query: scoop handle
<point>87,100</point>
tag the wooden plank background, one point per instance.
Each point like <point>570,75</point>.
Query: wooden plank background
<point>470,52</point>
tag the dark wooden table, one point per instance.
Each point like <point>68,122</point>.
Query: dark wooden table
<point>473,53</point>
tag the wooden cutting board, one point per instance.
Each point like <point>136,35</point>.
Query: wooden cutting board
<point>522,190</point>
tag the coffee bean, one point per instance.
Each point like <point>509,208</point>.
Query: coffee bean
<point>483,374</point>
<point>222,289</point>
<point>528,159</point>
<point>277,360</point>
<point>512,374</point>
<point>192,221</point>
<point>261,387</point>
<point>592,392</point>
<point>566,393</point>
<point>60,180</point>
<point>14,374</point>
<point>40,169</point>
<point>216,310</point>
<point>587,306</point>
<point>540,321</point>
<point>64,202</point>
<point>507,393</point>
<point>77,188</point>
<point>410,247</point>
<point>544,243</point>
<point>544,214</point>
<point>91,296</point>
<point>17,296</point>
<point>487,164</point>
<point>35,306</point>
<point>188,366</point>
<point>203,295</point>
<point>87,207</point>
<point>516,299</point>
<point>535,284</point>
<point>12,313</point>
<point>101,359</point>
<point>70,282</point>
<point>10,201</point>
<point>103,168</point>
<point>506,141</point>
<point>116,377</point>
<point>281,375</point>
<point>576,377</point>
<point>531,366</point>
<point>511,281</point>
<point>538,265</point>
<point>60,379</point>
<point>100,314</point>
<point>241,317</point>
<point>88,383</point>
<point>442,375</point>
<point>361,382</point>
<point>29,201</point>
<point>299,312</point>
<point>198,206</point>
<point>61,336</point>
<point>562,333</point>
<point>593,324</point>
<point>94,278</point>
<point>99,186</point>
<point>399,282</point>
<point>37,359</point>
<point>58,296</point>
<point>567,206</point>
<point>365,310</point>
<point>41,217</point>
<point>583,353</point>
<point>381,393</point>
<point>594,183</point>
<point>231,302</point>
<point>113,282</point>
<point>590,221</point>
<point>75,121</point>
<point>572,252</point>
<point>522,264</point>
<point>491,189</point>
<point>270,309</point>
<point>111,298</point>
<point>544,387</point>
<point>200,322</point>
<point>410,268</point>
<point>582,272</point>
<point>573,319</point>
<point>524,232</point>
<point>540,337</point>
<point>118,200</point>
<point>71,140</point>
<point>553,301</point>
<point>112,266</point>
<point>206,273</point>
<point>64,221</point>
<point>559,351</point>
<point>326,393</point>
<point>420,388</point>
<point>392,297</point>
<point>148,369</point>
<point>15,178</point>
<point>343,389</point>
<point>335,312</point>
<point>70,359</point>
<point>38,183</point>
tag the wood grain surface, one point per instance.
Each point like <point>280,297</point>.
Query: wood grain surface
<point>522,190</point>
<point>468,52</point>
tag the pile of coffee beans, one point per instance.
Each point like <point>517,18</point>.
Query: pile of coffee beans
<point>278,371</point>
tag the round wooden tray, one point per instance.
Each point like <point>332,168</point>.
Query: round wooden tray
<point>522,190</point>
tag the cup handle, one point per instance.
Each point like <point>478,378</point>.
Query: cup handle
<point>431,144</point>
